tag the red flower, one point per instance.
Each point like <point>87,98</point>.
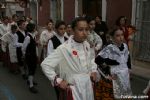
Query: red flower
<point>75,53</point>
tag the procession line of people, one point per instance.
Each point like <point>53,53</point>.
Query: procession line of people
<point>83,60</point>
<point>73,71</point>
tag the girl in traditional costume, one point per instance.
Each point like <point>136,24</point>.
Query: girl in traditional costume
<point>116,56</point>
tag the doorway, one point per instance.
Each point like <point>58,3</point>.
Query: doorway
<point>92,7</point>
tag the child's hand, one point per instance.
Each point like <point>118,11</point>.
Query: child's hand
<point>63,85</point>
<point>130,71</point>
<point>109,77</point>
<point>93,76</point>
<point>101,33</point>
<point>112,77</point>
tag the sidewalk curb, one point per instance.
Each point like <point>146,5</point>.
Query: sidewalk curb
<point>141,72</point>
<point>140,76</point>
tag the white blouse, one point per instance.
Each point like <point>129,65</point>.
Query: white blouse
<point>45,36</point>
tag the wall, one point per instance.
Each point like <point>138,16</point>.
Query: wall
<point>69,10</point>
<point>44,13</point>
<point>116,8</point>
<point>11,9</point>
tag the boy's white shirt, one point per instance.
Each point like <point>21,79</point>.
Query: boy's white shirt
<point>4,29</point>
<point>45,36</point>
<point>9,40</point>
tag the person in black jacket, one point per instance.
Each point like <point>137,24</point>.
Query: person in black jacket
<point>58,37</point>
<point>101,28</point>
<point>30,52</point>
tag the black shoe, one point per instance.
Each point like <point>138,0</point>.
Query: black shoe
<point>34,83</point>
<point>33,90</point>
<point>24,76</point>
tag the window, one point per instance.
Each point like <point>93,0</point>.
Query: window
<point>92,7</point>
<point>142,37</point>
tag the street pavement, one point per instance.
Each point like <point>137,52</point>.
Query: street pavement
<point>13,87</point>
<point>141,71</point>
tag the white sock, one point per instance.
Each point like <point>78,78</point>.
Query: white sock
<point>30,79</point>
<point>22,70</point>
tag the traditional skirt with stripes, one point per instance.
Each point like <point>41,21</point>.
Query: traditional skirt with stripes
<point>104,90</point>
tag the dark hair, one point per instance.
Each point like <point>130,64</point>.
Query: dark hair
<point>118,20</point>
<point>76,20</point>
<point>59,23</point>
<point>68,25</point>
<point>100,17</point>
<point>112,33</point>
<point>89,19</point>
<point>24,18</point>
<point>49,21</point>
<point>13,27</point>
<point>5,17</point>
<point>30,27</point>
<point>20,22</point>
<point>14,15</point>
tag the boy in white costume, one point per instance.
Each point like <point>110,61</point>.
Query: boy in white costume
<point>30,53</point>
<point>9,39</point>
<point>4,27</point>
<point>76,69</point>
<point>58,38</point>
<point>45,36</point>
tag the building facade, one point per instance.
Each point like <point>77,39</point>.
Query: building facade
<point>42,10</point>
<point>10,7</point>
<point>68,9</point>
<point>2,8</point>
<point>141,41</point>
<point>136,11</point>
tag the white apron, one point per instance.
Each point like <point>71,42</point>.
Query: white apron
<point>121,85</point>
